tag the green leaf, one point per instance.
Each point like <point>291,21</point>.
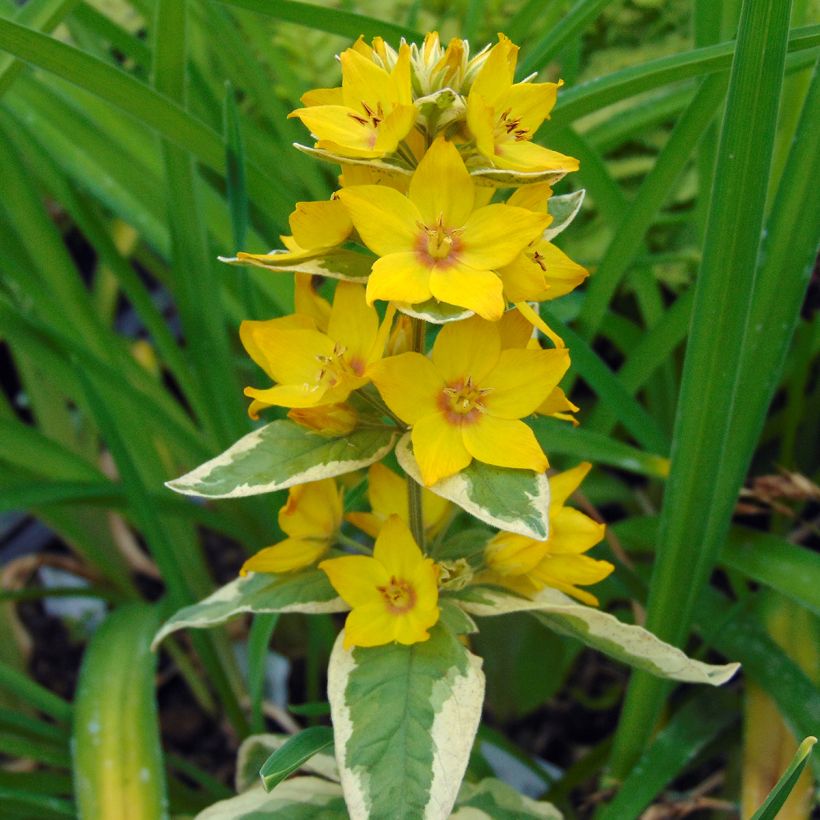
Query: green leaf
<point>778,795</point>
<point>118,769</point>
<point>279,455</point>
<point>349,266</point>
<point>293,754</point>
<point>625,642</point>
<point>406,758</point>
<point>300,798</point>
<point>494,800</point>
<point>306,591</point>
<point>256,749</point>
<point>503,178</point>
<point>439,313</point>
<point>690,730</point>
<point>563,210</point>
<point>513,500</point>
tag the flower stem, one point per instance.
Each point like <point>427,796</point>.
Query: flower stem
<point>413,489</point>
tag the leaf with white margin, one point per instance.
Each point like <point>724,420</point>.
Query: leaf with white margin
<point>256,749</point>
<point>563,209</point>
<point>513,500</point>
<point>335,263</point>
<point>279,455</point>
<point>625,642</point>
<point>503,178</point>
<point>308,591</point>
<point>439,313</point>
<point>404,719</point>
<point>495,800</point>
<point>300,798</point>
<point>390,169</point>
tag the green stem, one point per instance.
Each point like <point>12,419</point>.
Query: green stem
<point>413,489</point>
<point>382,408</point>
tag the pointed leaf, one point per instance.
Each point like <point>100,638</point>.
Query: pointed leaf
<point>778,795</point>
<point>503,178</point>
<point>439,313</point>
<point>293,754</point>
<point>600,630</point>
<point>513,500</point>
<point>563,210</point>
<point>256,749</point>
<point>307,591</point>
<point>279,455</point>
<point>300,798</point>
<point>404,719</point>
<point>338,263</point>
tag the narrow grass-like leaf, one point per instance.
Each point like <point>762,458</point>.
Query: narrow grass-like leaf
<point>33,693</point>
<point>293,754</point>
<point>44,805</point>
<point>704,479</point>
<point>333,21</point>
<point>118,769</point>
<point>690,729</point>
<point>259,637</point>
<point>777,797</point>
<point>256,749</point>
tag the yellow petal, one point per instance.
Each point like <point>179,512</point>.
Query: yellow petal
<point>532,197</point>
<point>286,556</point>
<point>531,103</point>
<point>394,128</point>
<point>470,347</point>
<point>399,277</point>
<point>508,553</point>
<point>558,405</point>
<point>514,329</point>
<point>332,420</point>
<point>564,571</point>
<point>527,156</point>
<point>353,324</point>
<point>320,224</point>
<point>496,75</point>
<point>504,443</point>
<point>307,302</point>
<point>287,356</point>
<point>535,319</point>
<point>562,274</point>
<point>367,522</point>
<point>412,627</point>
<point>323,96</point>
<point>572,532</point>
<point>563,485</point>
<point>481,124</point>
<point>397,551</point>
<point>524,279</point>
<point>286,395</point>
<point>409,383</point>
<point>364,81</point>
<point>478,290</point>
<point>255,336</point>
<point>438,448</point>
<point>312,510</point>
<point>441,187</point>
<point>370,625</point>
<point>522,379</point>
<point>494,235</point>
<point>335,127</point>
<point>386,221</point>
<point>356,578</point>
<point>387,492</point>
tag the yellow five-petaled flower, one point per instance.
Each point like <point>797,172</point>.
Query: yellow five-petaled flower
<point>393,595</point>
<point>436,242</point>
<point>467,399</point>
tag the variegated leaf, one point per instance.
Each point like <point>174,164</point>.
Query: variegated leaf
<point>404,719</point>
<point>439,313</point>
<point>307,591</point>
<point>600,630</point>
<point>300,798</point>
<point>390,168</point>
<point>494,800</point>
<point>256,749</point>
<point>563,209</point>
<point>513,500</point>
<point>336,263</point>
<point>279,455</point>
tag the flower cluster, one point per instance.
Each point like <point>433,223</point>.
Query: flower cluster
<point>439,239</point>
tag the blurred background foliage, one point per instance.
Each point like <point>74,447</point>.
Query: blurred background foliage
<point>139,140</point>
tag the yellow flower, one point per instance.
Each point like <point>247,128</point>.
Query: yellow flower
<point>466,401</point>
<point>541,271</point>
<point>435,242</point>
<point>393,595</point>
<point>388,496</point>
<point>312,367</point>
<point>527,566</point>
<point>503,117</point>
<point>369,115</point>
<point>311,518</point>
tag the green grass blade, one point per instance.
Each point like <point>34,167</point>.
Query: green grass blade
<point>654,191</point>
<point>33,693</point>
<point>140,101</point>
<point>570,25</point>
<point>118,767</point>
<point>590,97</point>
<point>333,21</point>
<point>295,752</point>
<point>45,805</point>
<point>690,730</point>
<point>707,466</point>
<point>261,632</point>
<point>778,795</point>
